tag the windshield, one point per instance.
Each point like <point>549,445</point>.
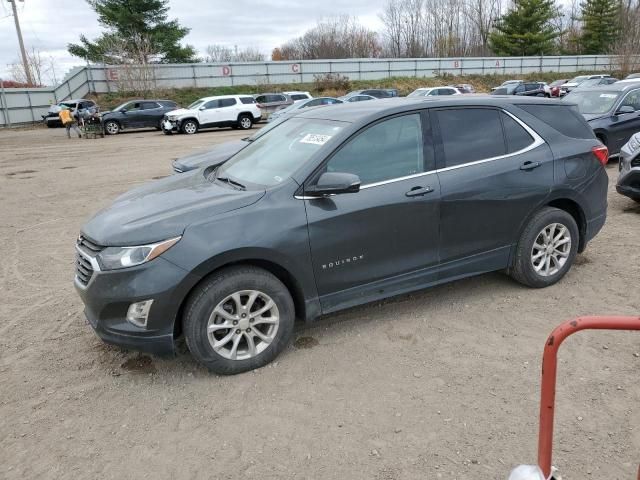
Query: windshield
<point>578,79</point>
<point>195,105</point>
<point>120,107</point>
<point>418,93</point>
<point>273,158</point>
<point>593,102</point>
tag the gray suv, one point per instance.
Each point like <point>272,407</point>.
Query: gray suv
<point>338,207</point>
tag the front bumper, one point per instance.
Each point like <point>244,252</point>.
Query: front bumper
<point>170,125</point>
<point>108,294</point>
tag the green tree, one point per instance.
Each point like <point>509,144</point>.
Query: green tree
<point>600,25</point>
<point>526,29</point>
<point>137,31</point>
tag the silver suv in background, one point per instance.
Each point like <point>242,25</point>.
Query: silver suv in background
<point>270,102</point>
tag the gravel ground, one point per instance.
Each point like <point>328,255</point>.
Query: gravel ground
<point>438,384</point>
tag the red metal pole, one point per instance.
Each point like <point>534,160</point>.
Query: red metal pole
<point>549,370</point>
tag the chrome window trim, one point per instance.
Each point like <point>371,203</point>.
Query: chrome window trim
<point>537,141</point>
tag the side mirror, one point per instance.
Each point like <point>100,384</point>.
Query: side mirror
<point>625,109</point>
<point>332,183</point>
<point>202,108</point>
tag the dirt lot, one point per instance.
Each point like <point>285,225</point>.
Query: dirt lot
<point>439,384</point>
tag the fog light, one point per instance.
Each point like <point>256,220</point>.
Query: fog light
<point>138,313</point>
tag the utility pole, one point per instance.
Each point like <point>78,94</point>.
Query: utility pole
<point>25,61</point>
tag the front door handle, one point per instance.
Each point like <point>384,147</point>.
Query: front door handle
<point>418,191</point>
<point>530,165</point>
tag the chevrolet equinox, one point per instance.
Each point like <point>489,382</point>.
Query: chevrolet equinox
<point>337,207</point>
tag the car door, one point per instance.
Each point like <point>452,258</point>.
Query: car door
<point>493,171</point>
<point>209,113</point>
<point>374,241</point>
<point>624,125</point>
<point>150,114</point>
<point>132,118</point>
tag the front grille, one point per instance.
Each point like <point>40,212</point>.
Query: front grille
<point>86,250</point>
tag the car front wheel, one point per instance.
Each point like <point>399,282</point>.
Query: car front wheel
<point>189,127</point>
<point>238,320</point>
<point>111,127</point>
<point>546,249</point>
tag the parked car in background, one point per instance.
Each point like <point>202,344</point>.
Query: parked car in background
<point>220,152</point>
<point>629,179</point>
<point>236,111</point>
<point>52,119</point>
<point>507,83</point>
<point>375,92</point>
<point>554,87</point>
<point>289,227</point>
<point>358,98</point>
<point>612,111</point>
<point>575,81</point>
<point>296,107</point>
<point>434,91</point>
<point>298,96</point>
<point>137,114</point>
<point>632,76</point>
<point>270,102</point>
<point>465,88</point>
<point>526,89</point>
<point>594,82</point>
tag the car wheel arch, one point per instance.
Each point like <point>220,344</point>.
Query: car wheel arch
<point>275,268</point>
<point>182,121</point>
<point>602,136</point>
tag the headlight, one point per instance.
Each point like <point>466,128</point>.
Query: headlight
<point>113,258</point>
<point>172,118</point>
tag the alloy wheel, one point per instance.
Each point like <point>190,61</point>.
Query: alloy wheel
<point>551,249</point>
<point>190,128</point>
<point>243,325</point>
<point>245,122</point>
<point>111,128</point>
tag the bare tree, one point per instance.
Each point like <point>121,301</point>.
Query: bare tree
<point>224,54</point>
<point>41,67</point>
<point>628,44</point>
<point>335,37</point>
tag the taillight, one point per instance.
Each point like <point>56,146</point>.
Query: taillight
<point>602,154</point>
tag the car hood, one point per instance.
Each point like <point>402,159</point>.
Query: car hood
<point>163,208</point>
<point>180,111</point>
<point>213,156</point>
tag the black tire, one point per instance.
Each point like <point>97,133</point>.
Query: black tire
<point>51,125</point>
<point>189,127</point>
<point>245,122</point>
<point>111,127</point>
<point>523,270</point>
<point>214,290</point>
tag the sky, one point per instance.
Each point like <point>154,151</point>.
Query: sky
<point>49,25</point>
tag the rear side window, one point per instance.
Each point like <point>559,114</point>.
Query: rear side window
<point>516,136</point>
<point>149,105</point>
<point>247,100</point>
<point>261,99</point>
<point>299,96</point>
<point>470,134</point>
<point>227,102</point>
<point>564,119</point>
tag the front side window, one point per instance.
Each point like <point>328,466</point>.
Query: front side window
<point>470,134</point>
<point>247,100</point>
<point>632,100</point>
<point>211,104</point>
<point>273,157</point>
<point>390,149</point>
<point>261,99</point>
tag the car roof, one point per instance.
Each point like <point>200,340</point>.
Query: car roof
<point>367,111</point>
<point>218,97</point>
<point>294,92</point>
<point>613,87</point>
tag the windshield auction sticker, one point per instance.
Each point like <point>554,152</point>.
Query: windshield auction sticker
<point>315,138</point>
<point>608,95</point>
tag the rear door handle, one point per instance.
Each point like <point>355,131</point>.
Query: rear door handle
<point>418,191</point>
<point>530,165</point>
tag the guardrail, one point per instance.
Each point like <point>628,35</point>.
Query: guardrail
<point>28,105</point>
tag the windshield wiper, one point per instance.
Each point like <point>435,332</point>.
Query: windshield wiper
<point>232,182</point>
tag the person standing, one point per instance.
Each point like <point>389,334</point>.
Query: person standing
<point>69,122</point>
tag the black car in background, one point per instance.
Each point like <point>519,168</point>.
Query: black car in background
<point>526,89</point>
<point>337,207</point>
<point>136,114</point>
<point>52,118</point>
<point>374,92</point>
<point>612,111</point>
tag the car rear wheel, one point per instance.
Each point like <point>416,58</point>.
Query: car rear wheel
<point>245,122</point>
<point>189,127</point>
<point>239,319</point>
<point>111,127</point>
<point>546,249</point>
